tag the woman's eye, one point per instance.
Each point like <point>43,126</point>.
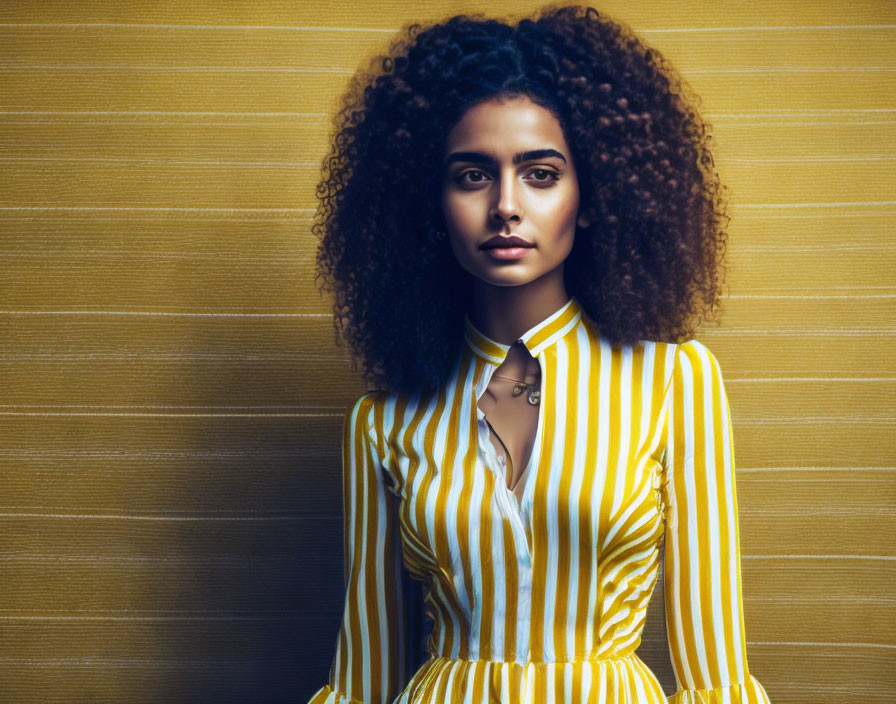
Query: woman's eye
<point>544,175</point>
<point>470,177</point>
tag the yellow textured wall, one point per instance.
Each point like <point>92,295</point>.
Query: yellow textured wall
<point>171,397</point>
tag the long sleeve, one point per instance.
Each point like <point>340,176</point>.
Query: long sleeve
<point>370,661</point>
<point>704,609</point>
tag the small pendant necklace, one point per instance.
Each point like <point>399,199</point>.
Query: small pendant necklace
<point>534,395</point>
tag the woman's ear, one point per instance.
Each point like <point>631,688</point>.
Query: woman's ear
<point>582,221</point>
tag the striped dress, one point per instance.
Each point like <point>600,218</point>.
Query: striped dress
<point>544,599</point>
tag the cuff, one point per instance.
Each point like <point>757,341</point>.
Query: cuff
<point>751,692</point>
<point>327,695</point>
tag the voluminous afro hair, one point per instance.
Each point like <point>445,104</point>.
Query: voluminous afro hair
<point>649,265</point>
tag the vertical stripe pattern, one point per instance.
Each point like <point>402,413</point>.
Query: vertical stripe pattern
<point>545,599</point>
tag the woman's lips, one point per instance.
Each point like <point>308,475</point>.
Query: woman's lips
<point>507,253</point>
<point>506,248</point>
<point>500,241</point>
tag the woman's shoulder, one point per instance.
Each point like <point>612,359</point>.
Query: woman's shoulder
<point>367,402</point>
<point>695,353</point>
<point>375,406</point>
<point>668,358</point>
<point>690,348</point>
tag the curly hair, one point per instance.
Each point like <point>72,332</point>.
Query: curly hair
<point>649,266</point>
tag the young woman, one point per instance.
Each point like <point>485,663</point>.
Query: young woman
<point>522,224</point>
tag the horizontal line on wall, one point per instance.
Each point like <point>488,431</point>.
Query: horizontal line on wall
<point>780,113</point>
<point>219,69</point>
<point>746,206</point>
<point>101,405</point>
<point>823,598</point>
<point>228,561</point>
<point>807,159</point>
<point>216,113</point>
<point>349,72</point>
<point>157,160</point>
<point>187,314</point>
<point>155,209</point>
<point>816,469</point>
<point>800,332</point>
<point>161,357</point>
<point>154,455</point>
<point>157,123</point>
<point>142,662</point>
<point>300,617</point>
<point>816,510</point>
<point>791,69</point>
<point>131,218</point>
<point>237,27</point>
<point>706,331</point>
<point>150,254</point>
<point>316,164</point>
<point>338,28</point>
<point>737,420</point>
<point>801,112</point>
<point>62,256</point>
<point>832,644</point>
<point>795,296</point>
<point>767,28</point>
<point>812,420</point>
<point>786,248</point>
<point>135,517</point>
<point>832,204</point>
<point>241,560</point>
<point>832,287</point>
<point>231,511</point>
<point>809,123</point>
<point>175,415</point>
<point>95,454</point>
<point>303,410</point>
<point>884,558</point>
<point>177,513</point>
<point>261,612</point>
<point>852,690</point>
<point>819,217</point>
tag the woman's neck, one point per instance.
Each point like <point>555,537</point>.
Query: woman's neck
<point>503,313</point>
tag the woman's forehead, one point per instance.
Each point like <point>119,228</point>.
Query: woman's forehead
<point>509,126</point>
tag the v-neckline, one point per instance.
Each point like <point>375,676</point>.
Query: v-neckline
<point>507,453</point>
<point>531,469</point>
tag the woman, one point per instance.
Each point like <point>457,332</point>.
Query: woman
<point>522,223</point>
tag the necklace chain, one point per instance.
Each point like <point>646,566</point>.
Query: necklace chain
<point>534,395</point>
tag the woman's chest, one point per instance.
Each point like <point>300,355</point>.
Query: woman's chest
<point>586,476</point>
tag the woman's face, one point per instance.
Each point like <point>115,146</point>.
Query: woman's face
<point>508,172</point>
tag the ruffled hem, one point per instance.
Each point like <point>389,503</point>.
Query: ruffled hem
<point>328,695</point>
<point>609,680</point>
<point>751,692</point>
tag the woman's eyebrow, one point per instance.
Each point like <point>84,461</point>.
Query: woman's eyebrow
<point>537,154</point>
<point>518,158</point>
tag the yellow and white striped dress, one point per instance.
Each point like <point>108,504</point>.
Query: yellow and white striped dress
<point>544,600</point>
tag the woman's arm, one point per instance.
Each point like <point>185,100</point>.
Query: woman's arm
<point>704,610</point>
<point>369,665</point>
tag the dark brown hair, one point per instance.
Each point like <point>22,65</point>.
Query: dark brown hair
<point>648,267</point>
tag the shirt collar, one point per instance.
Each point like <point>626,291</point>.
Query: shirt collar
<point>540,336</point>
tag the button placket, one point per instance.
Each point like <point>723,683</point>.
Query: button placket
<point>506,501</point>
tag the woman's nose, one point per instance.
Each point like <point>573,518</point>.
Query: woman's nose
<point>507,207</point>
